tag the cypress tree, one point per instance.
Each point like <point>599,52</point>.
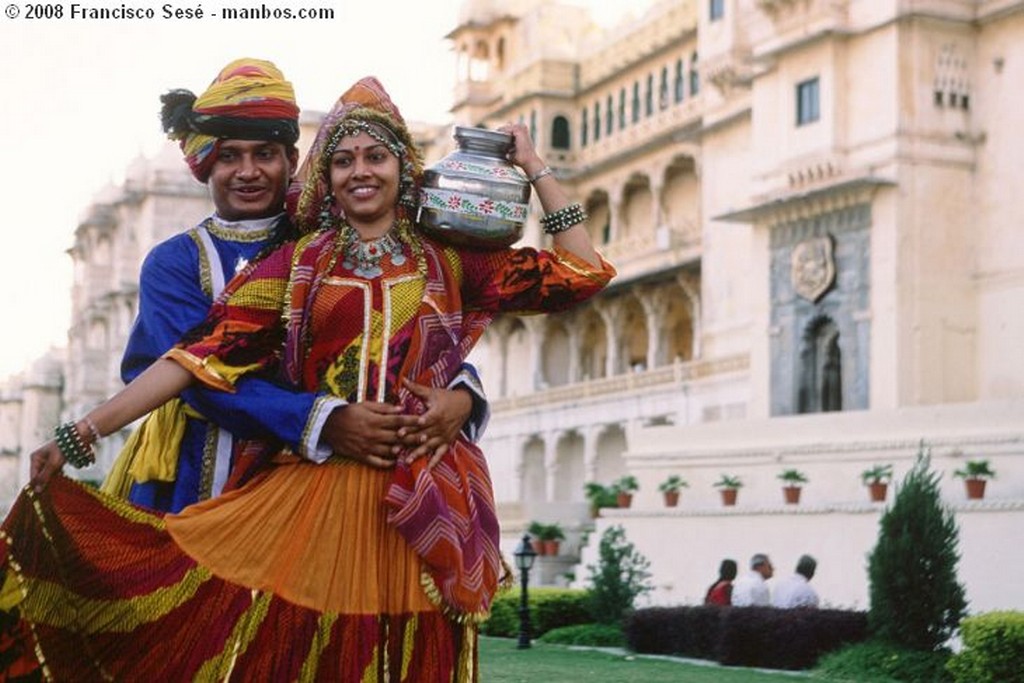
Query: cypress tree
<point>916,600</point>
<point>620,576</point>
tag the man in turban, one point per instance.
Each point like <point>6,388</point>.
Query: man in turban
<point>239,138</point>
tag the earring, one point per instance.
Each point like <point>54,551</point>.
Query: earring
<point>326,212</point>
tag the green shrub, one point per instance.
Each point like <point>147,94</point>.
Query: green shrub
<point>916,600</point>
<point>993,649</point>
<point>590,635</point>
<point>549,608</point>
<point>620,576</point>
<point>879,662</point>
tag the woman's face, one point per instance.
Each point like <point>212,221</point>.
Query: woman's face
<point>364,181</point>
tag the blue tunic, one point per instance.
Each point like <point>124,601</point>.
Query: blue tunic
<point>179,280</point>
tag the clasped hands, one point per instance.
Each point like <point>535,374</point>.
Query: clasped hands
<point>378,434</point>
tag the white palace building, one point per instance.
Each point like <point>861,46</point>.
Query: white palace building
<point>812,206</point>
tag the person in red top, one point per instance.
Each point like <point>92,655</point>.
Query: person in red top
<point>720,592</point>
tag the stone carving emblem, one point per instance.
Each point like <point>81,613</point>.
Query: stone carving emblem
<point>813,268</point>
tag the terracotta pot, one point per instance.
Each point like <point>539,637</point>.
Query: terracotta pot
<point>791,494</point>
<point>729,496</point>
<point>538,547</point>
<point>878,490</point>
<point>550,547</point>
<point>624,500</point>
<point>975,488</point>
<point>671,498</point>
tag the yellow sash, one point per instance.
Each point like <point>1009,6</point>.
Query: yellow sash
<point>151,452</point>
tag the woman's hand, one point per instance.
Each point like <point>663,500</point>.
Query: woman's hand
<point>438,427</point>
<point>523,153</point>
<point>46,461</point>
<point>367,432</point>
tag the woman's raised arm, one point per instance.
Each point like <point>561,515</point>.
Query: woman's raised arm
<point>162,381</point>
<point>553,198</point>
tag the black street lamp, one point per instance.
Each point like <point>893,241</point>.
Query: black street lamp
<point>525,555</point>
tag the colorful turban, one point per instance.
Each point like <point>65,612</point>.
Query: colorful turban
<point>367,107</point>
<point>249,100</point>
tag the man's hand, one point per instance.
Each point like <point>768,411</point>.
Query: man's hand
<point>46,461</point>
<point>437,428</point>
<point>366,432</point>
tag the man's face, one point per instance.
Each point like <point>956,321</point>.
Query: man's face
<point>766,570</point>
<point>249,178</point>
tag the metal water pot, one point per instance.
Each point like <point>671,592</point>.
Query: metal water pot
<point>475,197</point>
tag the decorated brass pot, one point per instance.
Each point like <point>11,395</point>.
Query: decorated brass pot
<point>475,197</point>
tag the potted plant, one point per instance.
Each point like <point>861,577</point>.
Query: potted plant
<point>729,486</point>
<point>551,537</point>
<point>624,489</point>
<point>975,473</point>
<point>670,489</point>
<point>877,480</point>
<point>599,496</point>
<point>792,480</point>
<point>537,530</point>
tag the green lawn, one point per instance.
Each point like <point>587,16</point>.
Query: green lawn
<point>501,662</point>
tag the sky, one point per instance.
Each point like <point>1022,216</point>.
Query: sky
<point>81,96</point>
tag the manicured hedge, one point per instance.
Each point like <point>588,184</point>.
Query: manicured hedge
<point>586,635</point>
<point>549,608</point>
<point>993,649</point>
<point>745,636</point>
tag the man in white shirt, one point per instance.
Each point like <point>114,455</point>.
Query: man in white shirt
<point>795,591</point>
<point>751,589</point>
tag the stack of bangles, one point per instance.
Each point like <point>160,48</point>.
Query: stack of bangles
<point>563,219</point>
<point>73,447</point>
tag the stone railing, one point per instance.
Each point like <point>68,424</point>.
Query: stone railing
<point>665,377</point>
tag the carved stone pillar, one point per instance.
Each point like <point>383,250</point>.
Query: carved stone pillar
<point>690,284</point>
<point>535,328</point>
<point>615,215</point>
<point>575,336</point>
<point>657,213</point>
<point>655,304</point>
<point>551,440</point>
<point>611,314</point>
<point>591,434</point>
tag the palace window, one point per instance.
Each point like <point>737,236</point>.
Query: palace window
<point>716,9</point>
<point>597,121</point>
<point>636,101</point>
<point>680,82</point>
<point>649,99</point>
<point>694,76</point>
<point>808,107</point>
<point>622,109</point>
<point>663,89</point>
<point>609,119</point>
<point>583,128</point>
<point>560,137</point>
<point>821,387</point>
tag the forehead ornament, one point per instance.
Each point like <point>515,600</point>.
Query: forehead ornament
<point>352,127</point>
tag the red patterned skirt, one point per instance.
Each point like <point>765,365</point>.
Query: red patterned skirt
<point>297,576</point>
